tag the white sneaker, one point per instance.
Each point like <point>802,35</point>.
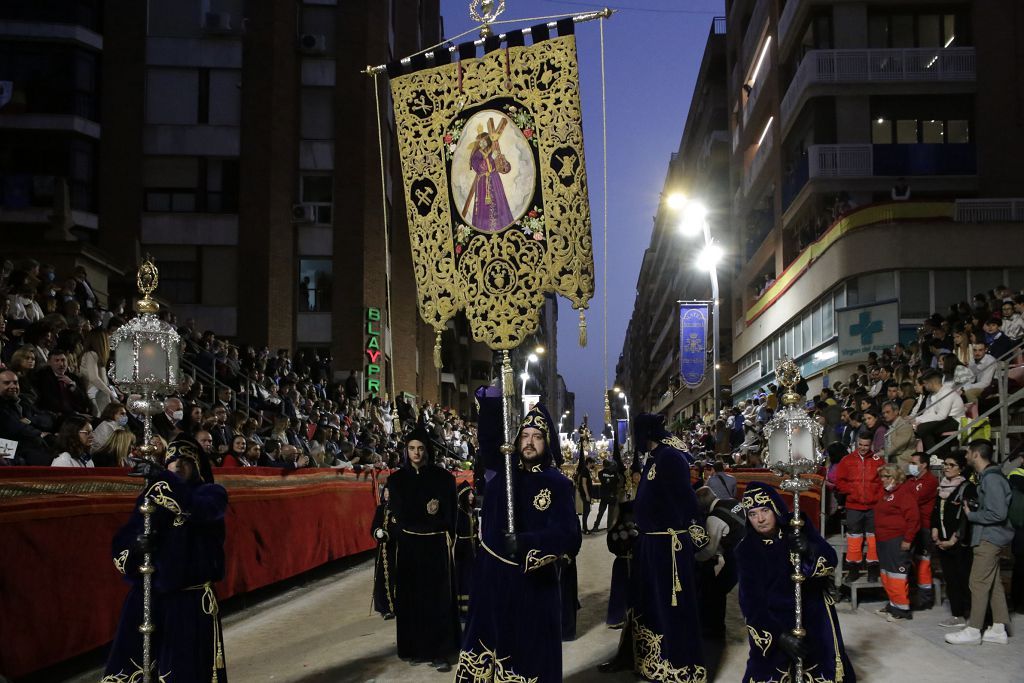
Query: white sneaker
<point>968,636</point>
<point>996,633</point>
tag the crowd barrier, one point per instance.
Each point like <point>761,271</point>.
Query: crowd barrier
<point>60,595</point>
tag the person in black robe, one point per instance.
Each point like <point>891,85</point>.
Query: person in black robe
<point>423,509</point>
<point>187,547</point>
<point>662,638</point>
<point>465,546</point>
<point>767,601</point>
<point>514,630</point>
<point>384,564</point>
<point>622,533</point>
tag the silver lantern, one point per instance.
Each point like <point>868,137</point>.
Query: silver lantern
<point>793,438</point>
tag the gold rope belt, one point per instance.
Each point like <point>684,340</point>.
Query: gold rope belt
<point>503,559</point>
<point>211,608</point>
<point>677,545</point>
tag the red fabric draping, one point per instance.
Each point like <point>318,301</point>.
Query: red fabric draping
<point>60,595</point>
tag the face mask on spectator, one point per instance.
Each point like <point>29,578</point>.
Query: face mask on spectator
<point>177,415</point>
<point>123,420</point>
<point>914,470</point>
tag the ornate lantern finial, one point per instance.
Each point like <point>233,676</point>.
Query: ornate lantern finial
<point>147,280</point>
<point>485,12</point>
<point>788,375</point>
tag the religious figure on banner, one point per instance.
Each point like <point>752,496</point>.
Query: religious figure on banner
<point>492,186</point>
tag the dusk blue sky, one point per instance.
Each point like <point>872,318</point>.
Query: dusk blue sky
<point>653,49</point>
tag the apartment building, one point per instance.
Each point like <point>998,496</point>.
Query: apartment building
<point>648,367</point>
<point>874,172</point>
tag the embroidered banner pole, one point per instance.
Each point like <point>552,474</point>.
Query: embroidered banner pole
<point>693,336</point>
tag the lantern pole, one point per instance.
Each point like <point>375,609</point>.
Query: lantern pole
<point>789,458</point>
<point>146,352</point>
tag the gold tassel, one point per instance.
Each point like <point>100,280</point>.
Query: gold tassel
<point>507,381</point>
<point>583,329</point>
<point>437,351</point>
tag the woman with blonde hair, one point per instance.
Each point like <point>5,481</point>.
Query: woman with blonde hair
<point>93,368</point>
<point>897,521</point>
<point>116,451</point>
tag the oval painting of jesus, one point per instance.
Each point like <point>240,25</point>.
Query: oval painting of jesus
<point>493,172</point>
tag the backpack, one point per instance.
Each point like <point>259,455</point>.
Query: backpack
<point>1016,514</point>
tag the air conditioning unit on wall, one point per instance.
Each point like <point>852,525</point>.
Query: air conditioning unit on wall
<point>313,43</point>
<point>303,213</point>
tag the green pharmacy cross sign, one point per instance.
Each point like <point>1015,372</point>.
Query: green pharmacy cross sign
<point>866,328</point>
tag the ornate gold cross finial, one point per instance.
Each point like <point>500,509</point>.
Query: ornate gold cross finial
<point>788,375</point>
<point>485,12</point>
<point>147,280</point>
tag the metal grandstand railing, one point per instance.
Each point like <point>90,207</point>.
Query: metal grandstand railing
<point>1006,408</point>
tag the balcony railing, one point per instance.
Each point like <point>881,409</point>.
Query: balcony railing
<point>752,37</point>
<point>757,88</point>
<point>877,66</point>
<point>989,210</point>
<point>860,161</point>
<point>760,159</point>
<point>833,161</point>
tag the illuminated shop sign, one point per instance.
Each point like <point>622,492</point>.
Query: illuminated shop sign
<point>373,353</point>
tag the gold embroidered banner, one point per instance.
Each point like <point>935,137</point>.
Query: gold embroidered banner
<point>496,188</point>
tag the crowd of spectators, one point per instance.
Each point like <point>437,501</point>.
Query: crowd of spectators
<point>250,406</point>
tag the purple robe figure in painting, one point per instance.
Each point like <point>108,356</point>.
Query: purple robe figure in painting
<point>490,206</point>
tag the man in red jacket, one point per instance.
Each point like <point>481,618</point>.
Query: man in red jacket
<point>926,487</point>
<point>857,480</point>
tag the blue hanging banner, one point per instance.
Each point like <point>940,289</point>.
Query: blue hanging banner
<point>622,431</point>
<point>693,335</point>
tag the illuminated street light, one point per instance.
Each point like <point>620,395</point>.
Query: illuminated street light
<point>676,201</point>
<point>694,218</point>
<point>710,257</point>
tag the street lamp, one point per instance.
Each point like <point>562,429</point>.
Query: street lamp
<point>693,221</point>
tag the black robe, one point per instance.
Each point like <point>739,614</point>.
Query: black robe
<point>465,551</point>
<point>423,507</point>
<point>515,610</point>
<point>665,624</point>
<point>187,645</point>
<point>767,601</point>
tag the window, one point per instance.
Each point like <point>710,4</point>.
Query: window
<point>958,132</point>
<point>984,280</point>
<point>816,337</point>
<point>906,132</point>
<point>929,30</point>
<point>915,294</point>
<point>805,332</point>
<point>317,120</point>
<point>933,132</point>
<point>190,185</point>
<point>318,191</point>
<point>901,30</point>
<point>881,131</point>
<point>172,96</point>
<point>913,30</point>
<point>314,287</point>
<point>950,288</point>
<point>827,320</point>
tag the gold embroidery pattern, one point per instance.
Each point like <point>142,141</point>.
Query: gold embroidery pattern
<point>810,676</point>
<point>535,421</point>
<point>534,560</point>
<point>651,665</point>
<point>699,536</point>
<point>675,442</point>
<point>762,640</point>
<point>486,667</point>
<point>160,493</point>
<point>498,278</point>
<point>651,473</point>
<point>542,501</point>
<point>821,568</point>
<point>132,676</point>
<point>433,505</point>
<point>120,561</point>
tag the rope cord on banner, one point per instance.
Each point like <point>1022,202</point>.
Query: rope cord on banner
<point>604,149</point>
<point>387,239</point>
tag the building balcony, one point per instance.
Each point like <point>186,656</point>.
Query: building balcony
<point>989,210</point>
<point>824,162</point>
<point>198,140</point>
<point>757,164</point>
<point>52,31</point>
<point>65,123</point>
<point>754,94</point>
<point>756,29</point>
<point>899,66</point>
